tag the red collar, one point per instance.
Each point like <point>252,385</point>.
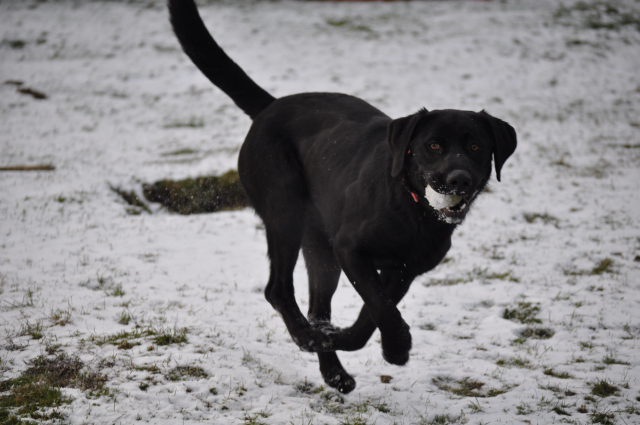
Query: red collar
<point>413,194</point>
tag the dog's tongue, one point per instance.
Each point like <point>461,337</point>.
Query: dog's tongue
<point>439,201</point>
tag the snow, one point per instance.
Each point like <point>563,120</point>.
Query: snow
<point>123,98</point>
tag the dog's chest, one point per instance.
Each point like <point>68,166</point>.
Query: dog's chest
<point>417,245</point>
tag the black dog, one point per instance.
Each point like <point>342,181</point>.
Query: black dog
<point>360,193</point>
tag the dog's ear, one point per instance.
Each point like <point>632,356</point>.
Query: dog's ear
<point>505,141</point>
<point>398,136</point>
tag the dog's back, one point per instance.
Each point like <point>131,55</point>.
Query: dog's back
<point>328,140</point>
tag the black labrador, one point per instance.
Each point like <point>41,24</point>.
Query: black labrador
<point>357,191</point>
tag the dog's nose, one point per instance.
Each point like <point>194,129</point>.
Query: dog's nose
<point>459,181</point>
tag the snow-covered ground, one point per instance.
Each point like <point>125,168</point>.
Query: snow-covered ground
<point>558,239</point>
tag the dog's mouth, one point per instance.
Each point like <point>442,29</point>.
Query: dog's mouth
<point>452,208</point>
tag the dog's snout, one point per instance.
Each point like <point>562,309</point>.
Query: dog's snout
<point>459,181</point>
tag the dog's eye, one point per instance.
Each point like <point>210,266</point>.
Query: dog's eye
<point>475,147</point>
<point>434,146</point>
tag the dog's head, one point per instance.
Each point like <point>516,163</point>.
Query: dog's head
<point>445,156</point>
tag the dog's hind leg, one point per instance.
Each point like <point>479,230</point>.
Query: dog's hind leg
<point>324,272</point>
<point>271,176</point>
<point>284,237</point>
<point>284,246</point>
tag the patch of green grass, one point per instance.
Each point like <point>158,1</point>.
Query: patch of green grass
<point>514,362</point>
<point>192,122</point>
<point>544,218</point>
<point>181,373</point>
<point>116,339</point>
<point>28,397</point>
<point>199,195</point>
<point>61,199</point>
<point>153,369</point>
<point>35,394</point>
<point>477,273</point>
<point>603,388</point>
<point>381,407</point>
<point>185,151</point>
<point>132,198</point>
<point>428,327</point>
<point>475,407</point>
<point>506,276</point>
<point>60,317</point>
<point>439,419</point>
<point>555,388</point>
<point>256,418</point>
<point>484,274</point>
<point>126,345</point>
<point>561,375</point>
<point>560,411</point>
<point>599,15</point>
<point>124,318</point>
<point>524,313</point>
<point>604,418</point>
<point>27,300</point>
<point>446,282</point>
<point>586,345</point>
<point>331,401</point>
<point>14,44</point>
<point>171,336</point>
<point>537,333</point>
<point>349,24</point>
<point>52,349</point>
<point>524,409</point>
<point>65,371</point>
<point>609,360</point>
<point>117,291</point>
<point>34,330</point>
<point>102,280</point>
<point>467,387</point>
<point>602,267</point>
<point>354,418</point>
<point>241,389</point>
<point>305,387</point>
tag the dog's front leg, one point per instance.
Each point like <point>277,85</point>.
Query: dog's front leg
<point>394,331</point>
<point>396,284</point>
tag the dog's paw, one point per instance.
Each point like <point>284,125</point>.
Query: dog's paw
<point>396,347</point>
<point>341,381</point>
<point>396,358</point>
<point>324,326</point>
<point>314,340</point>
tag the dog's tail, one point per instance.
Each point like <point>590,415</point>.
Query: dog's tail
<point>214,63</point>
